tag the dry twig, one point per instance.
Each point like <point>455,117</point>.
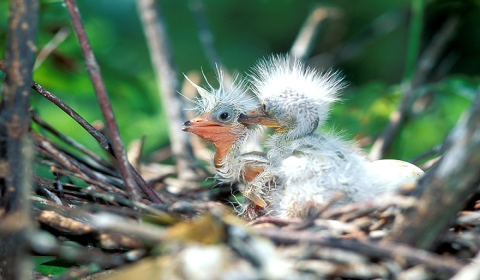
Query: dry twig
<point>15,145</point>
<point>425,64</point>
<point>444,191</point>
<point>103,100</point>
<point>168,85</point>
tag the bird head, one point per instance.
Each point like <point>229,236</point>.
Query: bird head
<point>295,98</point>
<point>219,110</point>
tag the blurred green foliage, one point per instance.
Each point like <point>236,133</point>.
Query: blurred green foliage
<point>245,31</point>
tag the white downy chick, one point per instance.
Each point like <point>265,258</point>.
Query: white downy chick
<point>219,109</point>
<point>310,167</point>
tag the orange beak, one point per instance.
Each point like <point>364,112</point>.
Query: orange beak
<point>258,116</point>
<point>209,130</point>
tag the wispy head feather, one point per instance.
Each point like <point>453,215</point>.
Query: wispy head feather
<point>235,94</point>
<point>299,95</point>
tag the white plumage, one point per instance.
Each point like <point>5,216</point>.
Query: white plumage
<point>219,109</point>
<point>310,167</point>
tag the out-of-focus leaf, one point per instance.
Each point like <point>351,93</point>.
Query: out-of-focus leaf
<point>55,267</point>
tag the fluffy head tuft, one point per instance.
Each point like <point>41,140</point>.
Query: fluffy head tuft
<point>234,95</point>
<point>298,96</point>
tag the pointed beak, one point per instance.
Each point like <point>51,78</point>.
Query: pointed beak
<point>201,123</point>
<point>258,116</point>
<point>209,130</point>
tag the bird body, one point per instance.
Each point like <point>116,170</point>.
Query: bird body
<point>310,167</point>
<point>219,109</point>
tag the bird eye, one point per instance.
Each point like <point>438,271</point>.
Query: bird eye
<point>224,116</point>
<point>266,107</point>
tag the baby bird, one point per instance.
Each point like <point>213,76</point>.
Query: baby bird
<point>310,167</point>
<point>218,123</point>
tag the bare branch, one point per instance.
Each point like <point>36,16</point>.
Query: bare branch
<point>15,144</point>
<point>381,26</point>
<point>61,35</point>
<point>445,265</point>
<point>305,40</point>
<point>205,34</point>
<point>103,100</point>
<point>425,64</point>
<point>102,140</point>
<point>446,188</point>
<point>168,85</point>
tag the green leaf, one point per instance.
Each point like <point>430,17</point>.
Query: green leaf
<point>55,266</point>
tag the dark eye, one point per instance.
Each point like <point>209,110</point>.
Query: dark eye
<point>224,116</point>
<point>266,107</point>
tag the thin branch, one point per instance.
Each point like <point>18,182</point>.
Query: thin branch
<point>425,64</point>
<point>381,26</point>
<point>469,272</point>
<point>102,140</point>
<point>205,35</point>
<point>446,188</point>
<point>414,38</point>
<point>15,144</point>
<point>445,265</point>
<point>61,35</point>
<point>103,100</point>
<point>71,142</point>
<point>168,85</point>
<point>307,35</point>
<point>427,154</point>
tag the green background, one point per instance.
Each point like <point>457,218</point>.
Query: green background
<point>245,31</point>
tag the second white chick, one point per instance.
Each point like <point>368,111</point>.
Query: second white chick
<point>311,168</point>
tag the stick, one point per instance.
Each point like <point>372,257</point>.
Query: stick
<point>15,144</point>
<point>102,140</point>
<point>103,100</point>
<point>448,266</point>
<point>61,35</point>
<point>305,40</point>
<point>168,85</point>
<point>425,65</point>
<point>71,142</point>
<point>205,35</point>
<point>446,188</point>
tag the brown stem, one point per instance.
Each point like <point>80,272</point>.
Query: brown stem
<point>307,35</point>
<point>446,188</point>
<point>102,140</point>
<point>103,100</point>
<point>444,265</point>
<point>425,64</point>
<point>15,144</point>
<point>168,86</point>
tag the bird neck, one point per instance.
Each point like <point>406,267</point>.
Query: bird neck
<point>222,154</point>
<point>226,159</point>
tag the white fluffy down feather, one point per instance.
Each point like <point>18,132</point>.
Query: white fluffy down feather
<point>311,168</point>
